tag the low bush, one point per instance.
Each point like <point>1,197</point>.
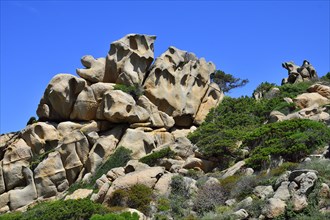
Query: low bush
<point>138,197</point>
<point>135,91</point>
<point>292,140</point>
<point>60,209</point>
<point>208,198</point>
<point>152,158</point>
<point>178,197</point>
<point>114,216</point>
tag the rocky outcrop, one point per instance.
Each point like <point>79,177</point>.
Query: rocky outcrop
<point>82,121</point>
<point>186,80</point>
<point>297,74</point>
<point>129,59</point>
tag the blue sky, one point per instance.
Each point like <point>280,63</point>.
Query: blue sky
<point>249,39</point>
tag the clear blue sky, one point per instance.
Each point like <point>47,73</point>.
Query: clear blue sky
<point>249,39</point>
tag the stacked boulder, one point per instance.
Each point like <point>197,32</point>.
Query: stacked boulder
<point>297,74</point>
<point>83,120</point>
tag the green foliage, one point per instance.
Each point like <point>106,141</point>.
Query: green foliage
<point>135,91</point>
<point>31,121</point>
<point>118,159</point>
<point>60,209</point>
<point>113,216</point>
<point>292,140</point>
<point>163,204</point>
<point>292,90</point>
<point>138,197</point>
<point>264,87</point>
<point>326,77</point>
<point>226,81</point>
<point>179,196</point>
<point>152,158</point>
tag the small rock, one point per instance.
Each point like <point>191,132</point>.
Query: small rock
<point>274,207</point>
<point>299,202</point>
<point>79,194</point>
<point>230,202</point>
<point>263,191</point>
<point>241,214</point>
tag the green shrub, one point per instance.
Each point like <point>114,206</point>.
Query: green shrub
<point>138,197</point>
<point>113,216</point>
<point>152,158</point>
<point>292,140</point>
<point>118,159</point>
<point>135,91</point>
<point>292,90</point>
<point>163,204</point>
<point>264,87</point>
<point>178,197</point>
<point>60,209</point>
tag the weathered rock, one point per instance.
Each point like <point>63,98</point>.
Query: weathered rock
<point>273,208</point>
<point>299,74</point>
<point>103,148</point>
<point>40,137</point>
<point>324,191</point>
<point>323,90</point>
<point>163,184</point>
<point>245,202</point>
<point>157,118</point>
<point>141,143</point>
<point>185,80</point>
<point>59,97</point>
<point>193,162</point>
<point>283,192</point>
<point>85,106</point>
<point>135,165</point>
<point>129,59</point>
<point>99,196</point>
<point>116,172</point>
<point>119,107</point>
<point>211,99</point>
<point>263,191</point>
<point>50,176</point>
<point>26,195</point>
<point>299,202</point>
<point>276,116</point>
<point>140,214</point>
<point>241,214</point>
<point>230,202</point>
<point>306,100</point>
<point>95,69</point>
<point>233,169</point>
<point>74,150</point>
<point>2,181</point>
<point>4,199</point>
<point>79,194</point>
<point>17,156</point>
<point>306,181</point>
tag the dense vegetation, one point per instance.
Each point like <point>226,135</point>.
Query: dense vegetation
<point>244,119</point>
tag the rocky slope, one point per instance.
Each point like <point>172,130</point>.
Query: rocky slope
<point>118,134</point>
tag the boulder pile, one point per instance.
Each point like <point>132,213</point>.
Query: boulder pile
<point>124,99</point>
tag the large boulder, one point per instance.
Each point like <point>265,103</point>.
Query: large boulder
<point>141,143</point>
<point>50,176</point>
<point>323,90</point>
<point>17,156</point>
<point>41,137</point>
<point>157,118</point>
<point>103,148</point>
<point>95,69</point>
<point>129,59</point>
<point>274,207</point>
<point>120,107</point>
<point>184,78</point>
<point>306,100</point>
<point>59,97</point>
<point>26,195</point>
<point>74,150</point>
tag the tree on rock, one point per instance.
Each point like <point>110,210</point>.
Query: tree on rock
<point>226,81</point>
